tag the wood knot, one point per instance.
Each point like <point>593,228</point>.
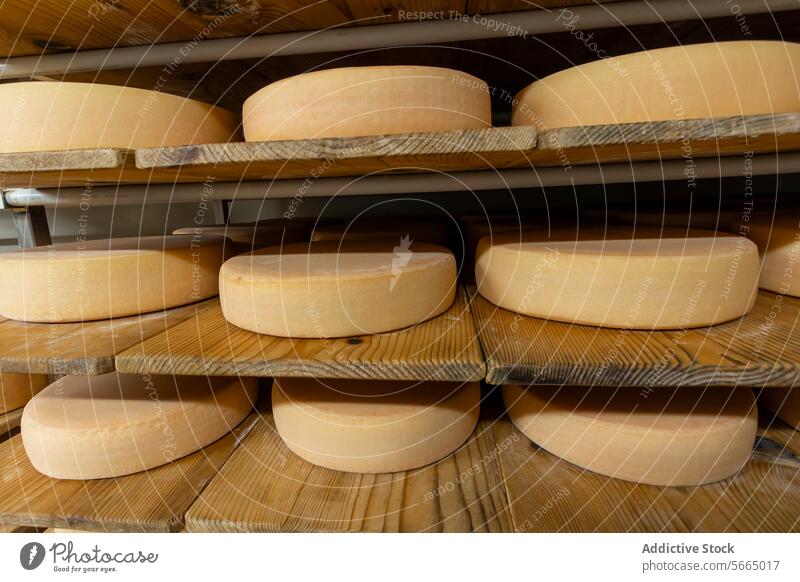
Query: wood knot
<point>354,341</point>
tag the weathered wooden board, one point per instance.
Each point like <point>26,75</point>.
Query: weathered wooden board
<point>444,348</point>
<point>266,487</point>
<point>10,421</point>
<point>154,500</point>
<point>760,349</point>
<point>80,348</point>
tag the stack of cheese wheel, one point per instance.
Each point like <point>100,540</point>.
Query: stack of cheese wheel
<point>245,237</point>
<point>362,101</point>
<point>783,403</point>
<point>663,436</point>
<point>418,230</point>
<point>17,389</point>
<point>625,278</point>
<point>39,116</point>
<point>101,279</point>
<point>373,426</point>
<point>778,240</point>
<point>337,289</point>
<point>684,82</point>
<point>90,427</point>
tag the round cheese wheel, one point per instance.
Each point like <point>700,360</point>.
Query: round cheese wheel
<point>783,403</point>
<point>637,279</point>
<point>778,241</point>
<point>91,427</point>
<point>39,116</point>
<point>366,426</point>
<point>682,82</point>
<point>17,389</point>
<point>248,237</point>
<point>418,230</point>
<point>331,289</point>
<point>684,436</point>
<point>106,278</point>
<point>361,101</point>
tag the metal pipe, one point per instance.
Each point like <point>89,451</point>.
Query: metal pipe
<point>457,28</point>
<point>412,184</point>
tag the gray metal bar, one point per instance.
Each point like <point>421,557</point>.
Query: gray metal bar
<point>31,226</point>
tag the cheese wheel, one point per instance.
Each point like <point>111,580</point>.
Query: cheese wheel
<point>17,389</point>
<point>684,436</point>
<point>366,426</point>
<point>331,289</point>
<point>393,231</point>
<point>106,278</point>
<point>39,116</point>
<point>778,241</point>
<point>783,403</point>
<point>361,101</point>
<point>683,82</point>
<point>91,427</point>
<point>248,237</point>
<point>637,279</point>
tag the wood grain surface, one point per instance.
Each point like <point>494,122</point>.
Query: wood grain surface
<point>9,421</point>
<point>266,487</point>
<point>79,348</point>
<point>152,501</point>
<point>548,494</point>
<point>760,349</point>
<point>444,348</point>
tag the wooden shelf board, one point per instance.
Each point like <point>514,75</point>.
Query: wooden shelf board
<point>760,349</point>
<point>79,348</point>
<point>9,421</point>
<point>444,348</point>
<point>548,494</point>
<point>152,501</point>
<point>265,487</point>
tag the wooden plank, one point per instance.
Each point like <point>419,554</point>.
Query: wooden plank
<point>152,501</point>
<point>10,421</point>
<point>265,487</point>
<point>760,349</point>
<point>447,151</point>
<point>548,494</point>
<point>80,348</point>
<point>444,348</point>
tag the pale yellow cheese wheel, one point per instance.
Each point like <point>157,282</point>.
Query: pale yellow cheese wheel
<point>663,436</point>
<point>332,289</point>
<point>391,230</point>
<point>778,240</point>
<point>251,236</point>
<point>17,389</point>
<point>370,426</point>
<point>39,116</point>
<point>91,427</point>
<point>106,278</point>
<point>625,278</point>
<point>361,101</point>
<point>783,403</point>
<point>683,82</point>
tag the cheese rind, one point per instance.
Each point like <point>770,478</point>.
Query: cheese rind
<point>331,289</point>
<point>778,241</point>
<point>366,426</point>
<point>683,82</point>
<point>637,279</point>
<point>40,116</point>
<point>100,279</point>
<point>362,101</point>
<point>17,389</point>
<point>92,427</point>
<point>252,236</point>
<point>666,436</point>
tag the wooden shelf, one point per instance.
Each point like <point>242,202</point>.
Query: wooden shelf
<point>151,501</point>
<point>760,349</point>
<point>444,348</point>
<point>9,421</point>
<point>482,149</point>
<point>79,348</point>
<point>266,488</point>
